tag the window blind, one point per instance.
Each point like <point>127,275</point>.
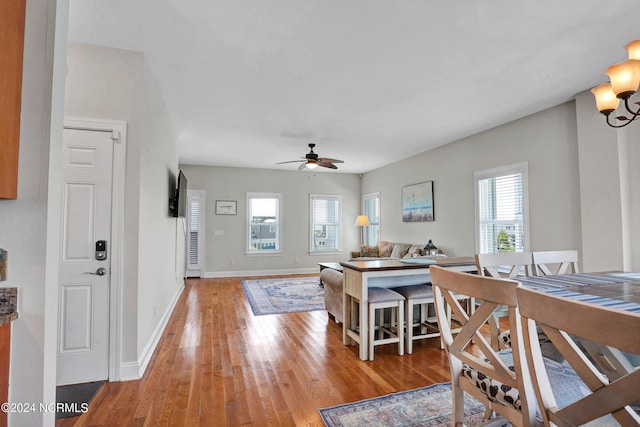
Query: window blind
<point>193,220</point>
<point>501,213</point>
<point>325,223</point>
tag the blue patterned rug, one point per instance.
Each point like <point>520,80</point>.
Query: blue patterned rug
<point>288,295</point>
<point>431,406</point>
<point>426,406</point>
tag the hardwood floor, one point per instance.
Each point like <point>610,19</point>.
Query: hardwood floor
<point>218,364</point>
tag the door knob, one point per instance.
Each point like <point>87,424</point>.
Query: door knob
<point>99,272</point>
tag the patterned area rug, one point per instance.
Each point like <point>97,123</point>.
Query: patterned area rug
<point>426,406</point>
<point>289,295</point>
<point>431,406</point>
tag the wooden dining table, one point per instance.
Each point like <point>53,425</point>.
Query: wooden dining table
<point>615,290</point>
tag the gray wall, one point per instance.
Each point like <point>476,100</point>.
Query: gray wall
<point>547,141</point>
<point>610,190</point>
<point>226,255</point>
<point>116,84</point>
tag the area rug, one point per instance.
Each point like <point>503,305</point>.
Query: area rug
<point>285,295</point>
<point>426,406</point>
<point>73,400</point>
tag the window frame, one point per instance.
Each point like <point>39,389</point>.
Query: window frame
<point>511,169</point>
<point>279,223</point>
<point>338,248</point>
<point>368,231</point>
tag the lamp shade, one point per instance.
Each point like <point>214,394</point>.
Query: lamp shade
<point>625,77</point>
<point>362,220</point>
<point>633,49</point>
<point>606,100</point>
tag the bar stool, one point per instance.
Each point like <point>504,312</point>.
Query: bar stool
<point>423,325</point>
<point>379,300</point>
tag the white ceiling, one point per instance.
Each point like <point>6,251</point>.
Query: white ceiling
<point>250,83</point>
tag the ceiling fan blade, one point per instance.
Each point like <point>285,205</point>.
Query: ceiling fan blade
<point>325,159</point>
<point>290,161</point>
<point>327,165</point>
<point>302,166</point>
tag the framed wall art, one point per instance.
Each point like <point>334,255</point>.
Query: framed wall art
<point>226,207</point>
<point>417,202</point>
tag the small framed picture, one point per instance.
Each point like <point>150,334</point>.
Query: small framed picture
<point>226,207</point>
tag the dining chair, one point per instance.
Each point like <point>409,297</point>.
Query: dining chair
<point>505,265</point>
<point>565,323</point>
<point>563,262</point>
<point>498,379</point>
<point>508,265</point>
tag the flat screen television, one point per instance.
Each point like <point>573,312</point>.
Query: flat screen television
<point>178,204</point>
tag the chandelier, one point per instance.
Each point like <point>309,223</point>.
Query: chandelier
<point>624,79</point>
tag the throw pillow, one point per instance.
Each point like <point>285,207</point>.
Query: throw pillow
<point>368,251</point>
<point>384,248</point>
<point>399,250</point>
<point>414,251</point>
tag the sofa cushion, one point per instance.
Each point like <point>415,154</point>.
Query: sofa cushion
<point>384,248</point>
<point>414,251</point>
<point>369,251</point>
<point>400,250</point>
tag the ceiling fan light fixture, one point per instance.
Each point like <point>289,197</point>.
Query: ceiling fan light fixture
<point>312,165</point>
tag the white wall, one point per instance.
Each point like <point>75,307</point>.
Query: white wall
<point>117,84</point>
<point>161,262</point>
<point>28,225</point>
<point>225,254</point>
<point>547,141</point>
<point>610,213</point>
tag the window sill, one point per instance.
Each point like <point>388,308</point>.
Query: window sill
<point>315,253</point>
<point>271,253</point>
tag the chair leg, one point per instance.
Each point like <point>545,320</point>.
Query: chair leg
<point>372,329</point>
<point>399,328</point>
<point>409,326</point>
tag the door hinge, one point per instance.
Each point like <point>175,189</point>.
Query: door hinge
<point>115,135</point>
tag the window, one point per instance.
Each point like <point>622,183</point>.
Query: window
<point>195,235</point>
<point>264,212</point>
<point>501,209</point>
<point>325,223</point>
<point>372,210</point>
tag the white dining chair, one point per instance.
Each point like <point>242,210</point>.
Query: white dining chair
<point>565,323</point>
<point>508,265</point>
<point>498,379</point>
<point>548,263</point>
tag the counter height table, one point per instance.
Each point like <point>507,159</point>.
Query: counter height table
<point>358,276</point>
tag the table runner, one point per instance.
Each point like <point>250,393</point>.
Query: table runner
<point>558,284</point>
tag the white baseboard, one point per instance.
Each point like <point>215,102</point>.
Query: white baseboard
<point>237,273</point>
<point>135,370</point>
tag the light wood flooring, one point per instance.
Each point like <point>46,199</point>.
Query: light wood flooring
<point>218,364</point>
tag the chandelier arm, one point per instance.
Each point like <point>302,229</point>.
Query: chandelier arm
<point>628,107</point>
<point>626,123</point>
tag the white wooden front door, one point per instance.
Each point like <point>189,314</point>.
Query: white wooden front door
<point>83,337</point>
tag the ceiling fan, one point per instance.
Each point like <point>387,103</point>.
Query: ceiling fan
<point>312,161</point>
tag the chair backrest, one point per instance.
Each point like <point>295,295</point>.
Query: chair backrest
<point>563,261</point>
<point>505,265</point>
<point>565,322</point>
<point>471,346</point>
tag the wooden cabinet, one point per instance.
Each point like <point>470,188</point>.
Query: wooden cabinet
<point>12,14</point>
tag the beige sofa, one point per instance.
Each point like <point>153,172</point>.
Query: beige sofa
<point>393,250</point>
<point>332,281</point>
